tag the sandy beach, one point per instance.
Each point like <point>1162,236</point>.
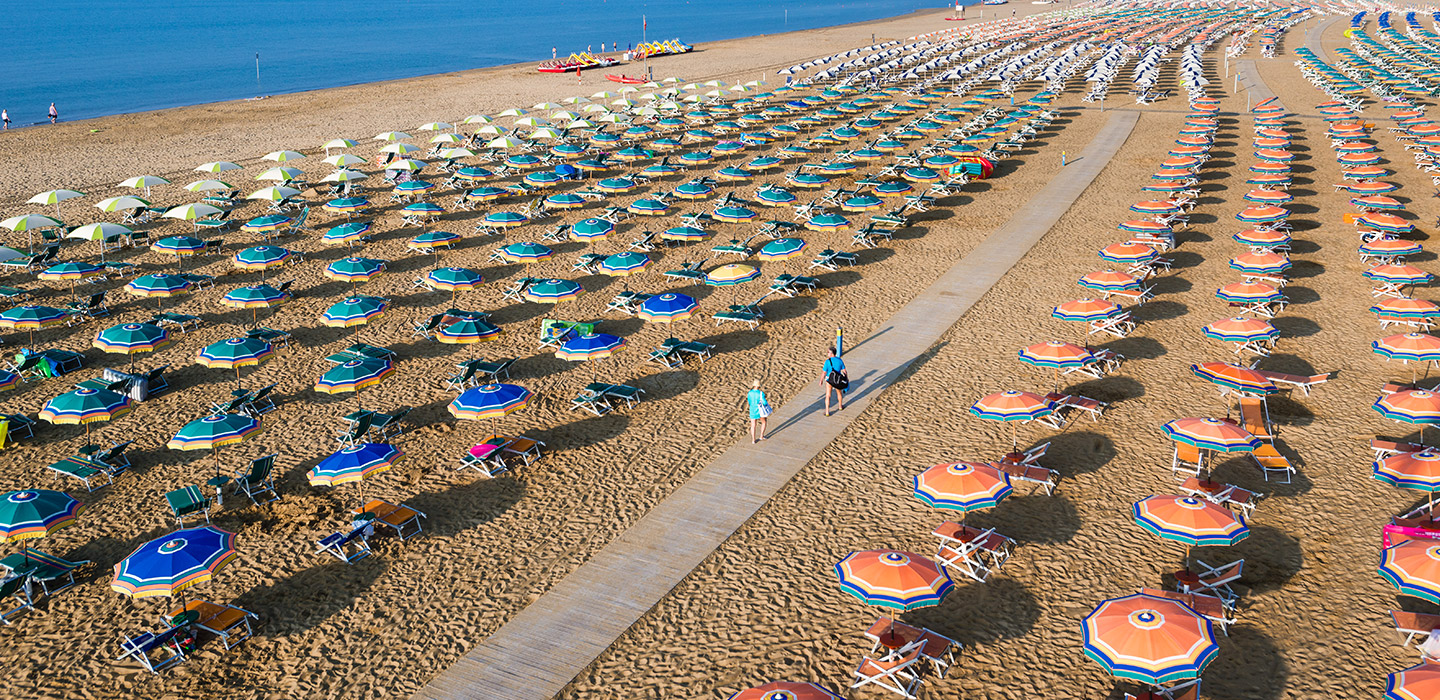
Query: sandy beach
<point>765,605</point>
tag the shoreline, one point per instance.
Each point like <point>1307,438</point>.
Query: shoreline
<point>477,70</point>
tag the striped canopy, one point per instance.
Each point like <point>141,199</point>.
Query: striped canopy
<point>962,486</point>
<point>1006,406</point>
<point>1211,434</point>
<point>1413,566</point>
<point>354,463</point>
<point>489,401</point>
<point>171,563</point>
<point>1410,470</point>
<point>1191,521</point>
<point>34,513</point>
<point>1235,377</point>
<point>1148,639</point>
<point>215,431</point>
<point>893,579</point>
<point>1413,406</point>
<point>1419,682</point>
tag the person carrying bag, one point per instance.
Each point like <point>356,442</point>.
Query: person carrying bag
<point>834,378</point>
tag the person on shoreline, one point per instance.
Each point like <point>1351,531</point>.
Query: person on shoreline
<point>759,410</point>
<point>5,117</point>
<point>54,113</point>
<point>834,378</point>
<point>553,53</point>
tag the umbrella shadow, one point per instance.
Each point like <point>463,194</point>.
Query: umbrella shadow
<point>785,308</point>
<point>1271,556</point>
<point>1136,347</point>
<point>310,597</point>
<point>1295,326</point>
<point>582,433</point>
<point>980,613</point>
<point>1171,285</point>
<point>1181,259</point>
<point>465,506</point>
<point>841,278</point>
<point>1081,452</point>
<point>1289,364</point>
<point>1160,310</point>
<point>667,384</point>
<point>1034,518</point>
<point>1249,666</point>
<point>736,341</point>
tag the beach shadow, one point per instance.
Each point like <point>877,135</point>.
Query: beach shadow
<point>582,433</point>
<point>784,308</point>
<point>1159,310</point>
<point>1137,347</point>
<point>666,385</point>
<point>1249,667</point>
<point>1181,259</point>
<point>1171,285</point>
<point>308,598</point>
<point>1295,326</point>
<point>1111,389</point>
<point>833,280</point>
<point>465,506</point>
<point>1272,557</point>
<point>1035,518</point>
<point>982,612</point>
<point>736,341</point>
<point>1289,364</point>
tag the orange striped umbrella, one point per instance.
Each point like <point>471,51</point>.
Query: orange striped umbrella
<point>1413,567</point>
<point>962,486</point>
<point>1419,682</point>
<point>1149,639</point>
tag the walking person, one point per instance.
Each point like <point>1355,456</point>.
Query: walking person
<point>834,378</point>
<point>5,117</point>
<point>759,411</point>
<point>54,113</point>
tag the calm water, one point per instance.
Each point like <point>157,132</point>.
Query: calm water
<point>94,57</point>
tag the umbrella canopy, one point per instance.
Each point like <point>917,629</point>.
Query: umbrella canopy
<point>1085,310</point>
<point>595,346</point>
<point>234,353</point>
<point>1262,263</point>
<point>1056,354</point>
<point>553,291</point>
<point>261,257</point>
<point>467,331</point>
<point>215,431</point>
<point>354,463</point>
<point>1405,308</point>
<point>781,249</point>
<point>1235,377</point>
<point>525,252</point>
<point>624,264</point>
<point>1007,406</point>
<point>1413,406</point>
<point>354,311</point>
<point>1248,293</point>
<point>131,338</point>
<point>159,284</point>
<point>453,279</point>
<point>1109,281</point>
<point>1211,434</point>
<point>1419,682</point>
<point>1149,639</point>
<point>31,317</point>
<point>730,275</point>
<point>489,401</point>
<point>1397,274</point>
<point>84,406</point>
<point>171,563</point>
<point>1413,566</point>
<point>354,375</point>
<point>1410,470</point>
<point>667,308</point>
<point>1416,347</point>
<point>785,690</point>
<point>254,297</point>
<point>827,222</point>
<point>591,229</point>
<point>1128,252</point>
<point>346,233</point>
<point>893,579</point>
<point>35,513</point>
<point>1194,522</point>
<point>1240,329</point>
<point>962,486</point>
<point>354,269</point>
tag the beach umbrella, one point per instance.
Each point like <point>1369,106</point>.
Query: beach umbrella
<point>36,513</point>
<point>8,380</point>
<point>1419,682</point>
<point>453,279</point>
<point>1414,406</point>
<point>158,286</point>
<point>1397,274</point>
<point>342,160</point>
<point>30,223</point>
<point>1012,407</point>
<point>592,229</point>
<point>525,252</point>
<point>1235,378</point>
<point>774,196</point>
<point>1389,223</point>
<point>85,406</point>
<point>215,431</point>
<point>1263,238</point>
<point>354,375</point>
<point>234,354</point>
<point>344,175</point>
<point>1413,567</point>
<point>1248,293</point>
<point>1085,310</point>
<point>354,270</point>
<point>1390,248</point>
<point>1128,253</point>
<point>731,275</point>
<point>1155,208</point>
<point>346,233</point>
<point>683,233</point>
<point>467,331</point>
<point>71,272</point>
<point>131,339</point>
<point>1056,355</point>
<point>178,246</point>
<point>589,347</point>
<point>827,222</point>
<point>1240,329</point>
<point>174,562</point>
<point>274,193</point>
<point>1191,521</point>
<point>893,189</point>
<point>781,249</point>
<point>254,297</point>
<point>1411,470</point>
<point>31,317</point>
<point>667,308</point>
<point>920,174</point>
<point>617,185</point>
<point>354,464</point>
<point>110,204</point>
<point>504,219</point>
<point>892,579</point>
<point>624,264</point>
<point>262,257</point>
<point>1211,434</point>
<point>1377,202</point>
<point>95,232</point>
<point>1109,281</point>
<point>553,291</point>
<point>1149,639</point>
<point>1265,263</point>
<point>354,311</point>
<point>346,205</point>
<point>785,690</point>
<point>281,156</point>
<point>962,486</point>
<point>490,401</point>
<point>144,181</point>
<point>1408,347</point>
<point>423,209</point>
<point>1405,308</point>
<point>565,200</point>
<point>863,202</point>
<point>54,197</point>
<point>648,207</point>
<point>1371,188</point>
<point>280,174</point>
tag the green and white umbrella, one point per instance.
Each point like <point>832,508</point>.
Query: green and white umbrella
<point>274,193</point>
<point>337,143</point>
<point>283,156</point>
<point>208,185</point>
<point>28,223</point>
<point>218,166</point>
<point>436,126</point>
<point>191,212</point>
<point>283,174</point>
<point>399,149</point>
<point>54,197</point>
<point>144,182</point>
<point>114,204</point>
<point>344,175</point>
<point>391,136</point>
<point>341,160</point>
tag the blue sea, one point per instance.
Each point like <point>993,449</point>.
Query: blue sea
<point>98,57</point>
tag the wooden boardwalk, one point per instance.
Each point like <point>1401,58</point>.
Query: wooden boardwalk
<point>543,647</point>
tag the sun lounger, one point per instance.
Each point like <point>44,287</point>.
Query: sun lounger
<point>83,469</point>
<point>1414,626</point>
<point>588,262</point>
<point>1044,478</point>
<point>388,426</point>
<point>1210,607</point>
<point>934,647</point>
<point>1384,448</point>
<point>592,401</point>
<point>258,402</point>
<point>359,429</point>
<point>258,482</point>
<point>1211,580</point>
<point>1120,325</point>
<point>184,322</point>
<point>348,547</point>
<point>228,623</point>
<point>738,314</point>
<point>142,647</point>
<point>51,572</point>
<point>629,394</point>
<point>687,271</point>
<point>15,588</point>
<point>188,501</point>
<point>1271,461</point>
<point>831,259</point>
<point>279,339</point>
<point>1069,404</point>
<point>790,285</point>
<point>92,307</point>
<point>111,458</point>
<point>892,674</point>
<point>646,242</point>
<point>1255,417</point>
<point>870,235</point>
<point>18,425</point>
<point>427,327</point>
<point>516,291</point>
<point>1301,382</point>
<point>971,551</point>
<point>627,302</point>
<point>393,517</point>
<point>361,351</point>
<point>1187,460</point>
<point>1222,494</point>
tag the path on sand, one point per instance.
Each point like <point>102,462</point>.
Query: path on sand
<point>546,645</point>
<point>1315,38</point>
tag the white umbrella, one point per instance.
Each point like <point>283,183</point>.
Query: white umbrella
<point>204,185</point>
<point>283,173</point>
<point>391,136</point>
<point>282,156</point>
<point>273,193</point>
<point>54,197</point>
<point>145,181</point>
<point>341,160</point>
<point>99,232</point>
